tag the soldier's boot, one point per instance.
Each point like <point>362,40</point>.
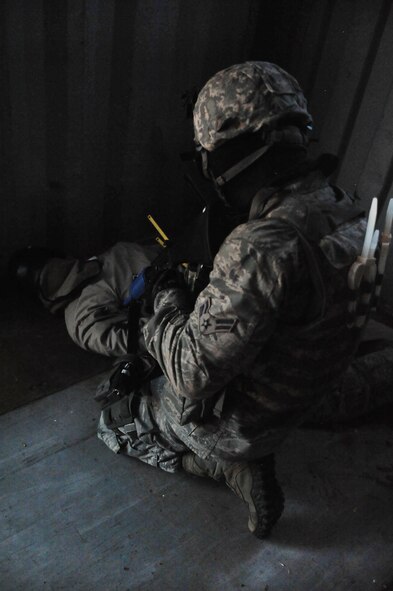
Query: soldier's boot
<point>25,267</point>
<point>255,483</point>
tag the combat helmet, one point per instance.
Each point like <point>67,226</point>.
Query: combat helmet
<point>254,97</point>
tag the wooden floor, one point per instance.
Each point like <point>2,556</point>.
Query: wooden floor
<point>76,517</point>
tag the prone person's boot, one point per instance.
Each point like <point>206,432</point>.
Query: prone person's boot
<point>25,267</point>
<point>255,483</point>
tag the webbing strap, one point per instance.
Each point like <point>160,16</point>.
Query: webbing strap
<point>229,174</point>
<point>134,314</point>
<point>318,310</point>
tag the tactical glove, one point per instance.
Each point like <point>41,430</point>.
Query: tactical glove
<point>160,279</point>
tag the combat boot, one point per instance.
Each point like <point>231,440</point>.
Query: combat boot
<point>254,483</point>
<point>25,267</point>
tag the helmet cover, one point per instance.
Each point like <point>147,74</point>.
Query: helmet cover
<point>247,98</point>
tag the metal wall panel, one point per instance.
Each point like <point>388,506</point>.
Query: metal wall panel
<point>349,85</point>
<point>92,119</point>
<point>92,114</point>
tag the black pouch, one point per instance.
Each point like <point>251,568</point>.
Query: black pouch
<point>120,412</point>
<point>118,416</point>
<point>130,373</point>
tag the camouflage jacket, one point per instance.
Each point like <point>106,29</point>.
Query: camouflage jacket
<point>253,330</point>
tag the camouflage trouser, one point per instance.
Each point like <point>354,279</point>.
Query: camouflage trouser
<point>97,321</point>
<point>153,433</point>
<point>155,436</point>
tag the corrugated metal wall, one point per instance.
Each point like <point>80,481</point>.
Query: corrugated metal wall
<point>92,118</point>
<point>343,55</point>
<point>92,111</point>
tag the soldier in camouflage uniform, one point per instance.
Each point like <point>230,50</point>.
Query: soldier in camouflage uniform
<point>268,344</point>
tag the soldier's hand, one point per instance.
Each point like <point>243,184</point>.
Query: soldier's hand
<point>160,279</point>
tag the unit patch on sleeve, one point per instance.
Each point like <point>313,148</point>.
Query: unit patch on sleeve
<point>209,324</point>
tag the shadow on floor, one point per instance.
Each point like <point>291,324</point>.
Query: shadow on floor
<point>73,515</point>
<point>37,357</point>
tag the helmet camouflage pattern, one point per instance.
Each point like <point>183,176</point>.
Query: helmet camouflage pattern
<point>246,98</point>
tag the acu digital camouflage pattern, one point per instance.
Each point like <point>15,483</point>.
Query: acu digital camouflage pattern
<point>247,364</point>
<point>264,369</point>
<point>253,357</point>
<point>260,287</point>
<point>246,97</point>
<point>250,336</point>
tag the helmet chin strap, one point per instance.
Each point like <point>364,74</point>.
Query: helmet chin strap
<point>232,172</point>
<point>207,173</point>
<point>290,135</point>
<point>236,169</point>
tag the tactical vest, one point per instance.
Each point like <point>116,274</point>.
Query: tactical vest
<point>302,358</point>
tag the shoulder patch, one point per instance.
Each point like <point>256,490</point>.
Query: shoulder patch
<point>209,324</point>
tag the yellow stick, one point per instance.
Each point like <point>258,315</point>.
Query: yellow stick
<point>157,227</point>
<point>160,242</point>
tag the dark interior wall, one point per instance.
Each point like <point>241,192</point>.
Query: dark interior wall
<point>342,54</point>
<point>92,117</point>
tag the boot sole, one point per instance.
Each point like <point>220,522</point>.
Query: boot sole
<point>268,499</point>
